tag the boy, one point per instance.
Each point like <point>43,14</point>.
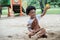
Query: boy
<point>33,21</point>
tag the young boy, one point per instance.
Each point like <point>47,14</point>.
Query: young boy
<point>33,23</point>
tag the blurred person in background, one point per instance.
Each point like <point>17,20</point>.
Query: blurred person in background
<point>42,5</point>
<point>0,11</point>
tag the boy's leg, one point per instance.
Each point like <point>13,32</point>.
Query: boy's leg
<point>31,34</point>
<point>41,33</point>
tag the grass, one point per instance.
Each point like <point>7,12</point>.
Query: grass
<point>38,11</point>
<point>50,11</point>
<point>4,11</point>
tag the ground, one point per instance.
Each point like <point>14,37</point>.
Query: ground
<point>14,28</point>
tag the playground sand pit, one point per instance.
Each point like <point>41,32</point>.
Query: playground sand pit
<point>16,29</point>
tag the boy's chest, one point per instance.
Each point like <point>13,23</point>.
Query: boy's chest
<point>33,21</point>
<point>34,24</point>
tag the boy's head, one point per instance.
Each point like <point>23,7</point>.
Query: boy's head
<point>31,11</point>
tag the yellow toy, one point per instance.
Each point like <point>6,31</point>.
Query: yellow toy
<point>47,5</point>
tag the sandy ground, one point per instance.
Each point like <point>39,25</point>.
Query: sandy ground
<point>14,28</point>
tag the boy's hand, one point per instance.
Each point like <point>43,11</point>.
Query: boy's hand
<point>28,24</point>
<point>45,9</point>
<point>47,6</point>
<point>33,31</point>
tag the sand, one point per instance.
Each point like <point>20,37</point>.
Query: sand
<point>15,28</point>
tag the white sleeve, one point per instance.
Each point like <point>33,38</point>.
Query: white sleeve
<point>30,21</point>
<point>38,16</point>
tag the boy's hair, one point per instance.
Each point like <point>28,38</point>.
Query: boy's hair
<point>29,8</point>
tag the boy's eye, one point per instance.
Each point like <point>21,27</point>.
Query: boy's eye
<point>33,12</point>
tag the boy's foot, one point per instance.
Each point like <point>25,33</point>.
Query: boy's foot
<point>43,36</point>
<point>29,36</point>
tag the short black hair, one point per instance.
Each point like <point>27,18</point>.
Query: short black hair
<point>29,8</point>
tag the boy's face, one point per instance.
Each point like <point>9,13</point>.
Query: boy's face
<point>32,13</point>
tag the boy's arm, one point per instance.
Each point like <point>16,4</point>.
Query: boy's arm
<point>29,28</point>
<point>45,10</point>
<point>28,24</point>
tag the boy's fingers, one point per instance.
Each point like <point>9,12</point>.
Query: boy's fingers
<point>47,6</point>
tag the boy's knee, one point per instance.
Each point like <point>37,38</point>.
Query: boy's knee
<point>43,30</point>
<point>31,34</point>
